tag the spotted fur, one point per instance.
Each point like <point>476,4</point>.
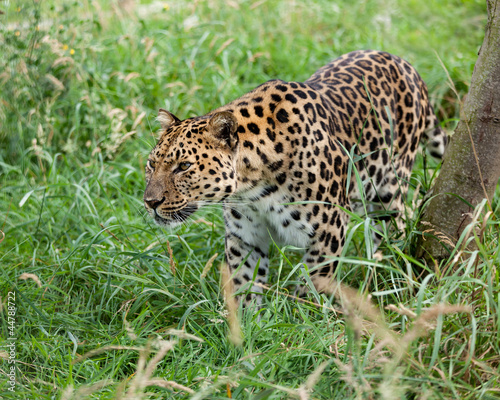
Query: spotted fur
<point>277,158</point>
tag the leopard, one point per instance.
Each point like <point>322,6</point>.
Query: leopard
<point>289,162</point>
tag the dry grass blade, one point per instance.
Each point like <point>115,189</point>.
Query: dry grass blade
<point>224,45</point>
<point>63,61</point>
<point>145,370</point>
<point>424,322</point>
<point>204,221</point>
<point>183,335</point>
<point>169,384</point>
<point>440,235</point>
<point>391,387</point>
<point>401,310</point>
<point>130,332</point>
<point>355,304</point>
<point>25,276</point>
<point>473,224</point>
<point>103,349</point>
<point>165,347</point>
<point>84,391</point>
<point>138,120</point>
<point>171,259</point>
<point>208,266</point>
<point>235,335</point>
<point>312,379</point>
<point>55,82</point>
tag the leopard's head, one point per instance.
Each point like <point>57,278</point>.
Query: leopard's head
<point>192,164</point>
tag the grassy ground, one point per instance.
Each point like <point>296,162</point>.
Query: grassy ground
<point>109,306</point>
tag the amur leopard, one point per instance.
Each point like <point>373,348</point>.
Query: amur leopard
<point>278,159</point>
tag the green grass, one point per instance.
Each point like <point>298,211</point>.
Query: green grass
<point>80,83</point>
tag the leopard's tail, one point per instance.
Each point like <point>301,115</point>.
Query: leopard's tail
<point>435,137</point>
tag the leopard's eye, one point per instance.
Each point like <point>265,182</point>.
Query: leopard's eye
<point>183,166</point>
<point>151,164</point>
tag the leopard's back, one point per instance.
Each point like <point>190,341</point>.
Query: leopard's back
<point>380,106</point>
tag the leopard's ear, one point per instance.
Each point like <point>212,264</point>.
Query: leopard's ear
<point>166,118</point>
<point>223,126</point>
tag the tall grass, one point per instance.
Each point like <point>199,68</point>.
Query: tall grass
<point>111,306</point>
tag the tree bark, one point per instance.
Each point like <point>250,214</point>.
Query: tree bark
<point>471,165</point>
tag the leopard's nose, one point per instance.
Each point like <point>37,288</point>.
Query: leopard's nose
<point>153,203</point>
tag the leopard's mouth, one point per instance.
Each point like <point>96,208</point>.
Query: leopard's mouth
<point>174,218</point>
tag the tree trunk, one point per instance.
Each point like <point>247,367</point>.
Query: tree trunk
<point>471,165</point>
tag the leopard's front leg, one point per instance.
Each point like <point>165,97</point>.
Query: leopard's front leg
<point>246,249</point>
<point>327,242</point>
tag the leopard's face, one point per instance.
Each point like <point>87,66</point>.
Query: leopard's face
<point>191,165</point>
